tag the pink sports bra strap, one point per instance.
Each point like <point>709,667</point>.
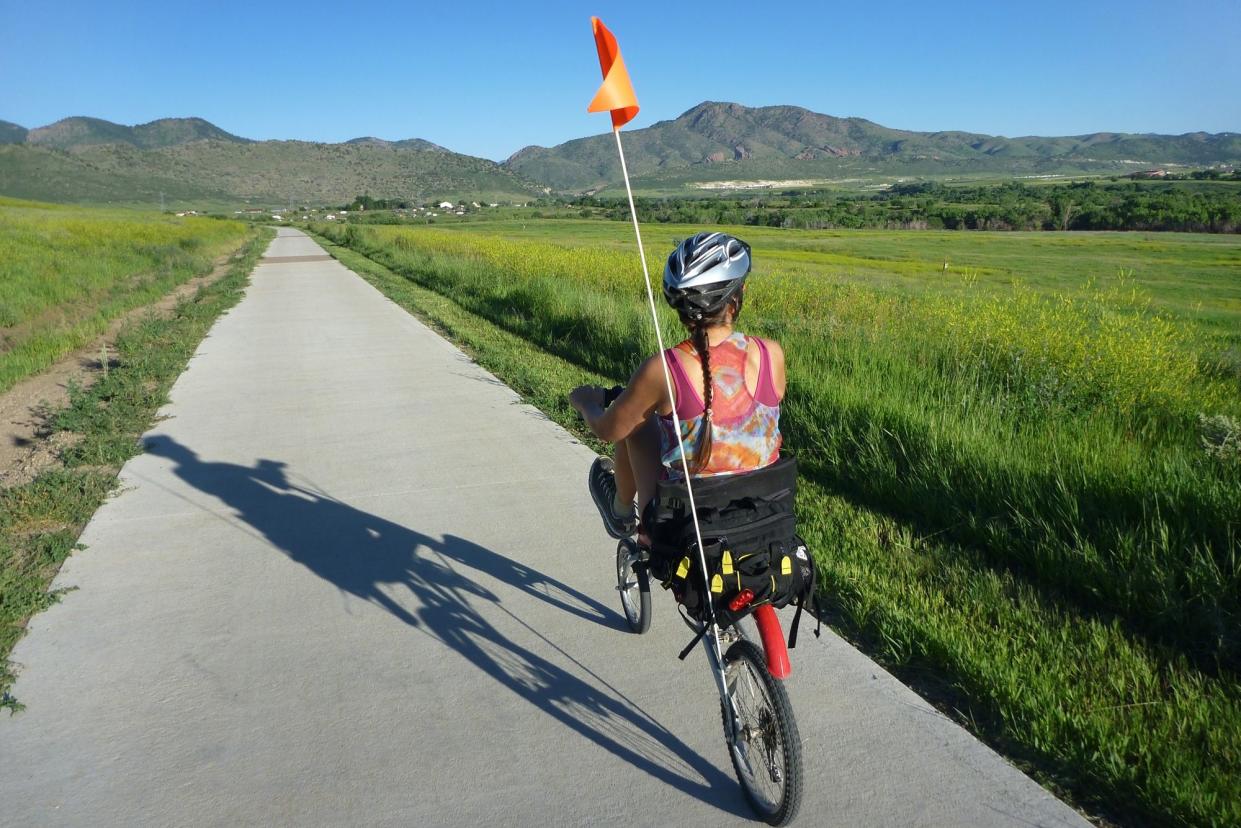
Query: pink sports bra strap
<point>765,393</point>
<point>688,399</point>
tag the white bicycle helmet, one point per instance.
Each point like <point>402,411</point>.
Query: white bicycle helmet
<point>704,272</point>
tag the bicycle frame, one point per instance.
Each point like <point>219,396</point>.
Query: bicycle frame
<point>715,655</point>
<point>774,648</point>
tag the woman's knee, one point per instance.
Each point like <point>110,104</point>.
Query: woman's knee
<point>645,438</point>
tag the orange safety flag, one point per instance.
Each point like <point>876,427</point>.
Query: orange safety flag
<point>616,94</point>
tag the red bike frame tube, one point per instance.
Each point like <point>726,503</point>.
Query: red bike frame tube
<point>773,641</point>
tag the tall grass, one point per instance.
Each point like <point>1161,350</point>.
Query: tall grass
<point>1010,490</point>
<point>66,272</point>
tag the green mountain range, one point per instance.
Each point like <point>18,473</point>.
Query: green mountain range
<point>712,145</point>
<point>716,142</point>
<point>76,133</point>
<point>191,161</point>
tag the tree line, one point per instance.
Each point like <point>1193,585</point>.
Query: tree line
<point>1085,205</point>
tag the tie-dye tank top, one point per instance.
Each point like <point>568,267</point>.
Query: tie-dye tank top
<point>745,427</point>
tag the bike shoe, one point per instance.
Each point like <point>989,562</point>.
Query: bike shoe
<point>602,482</point>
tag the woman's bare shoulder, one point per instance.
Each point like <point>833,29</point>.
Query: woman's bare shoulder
<point>774,350</point>
<point>775,354</point>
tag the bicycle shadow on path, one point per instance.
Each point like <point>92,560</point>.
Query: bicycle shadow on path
<point>360,553</point>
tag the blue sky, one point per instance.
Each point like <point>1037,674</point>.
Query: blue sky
<point>489,78</point>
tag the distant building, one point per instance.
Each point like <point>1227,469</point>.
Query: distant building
<point>446,205</point>
<point>1149,174</point>
<point>331,217</point>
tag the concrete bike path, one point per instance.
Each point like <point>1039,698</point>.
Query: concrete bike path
<point>354,580</point>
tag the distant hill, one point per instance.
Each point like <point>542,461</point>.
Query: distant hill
<point>721,141</point>
<point>408,143</point>
<point>78,132</point>
<point>190,159</point>
<point>11,133</point>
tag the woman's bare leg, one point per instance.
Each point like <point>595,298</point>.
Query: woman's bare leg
<point>637,464</point>
<point>626,485</point>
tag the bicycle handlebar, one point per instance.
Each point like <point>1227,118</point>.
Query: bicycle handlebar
<point>609,396</point>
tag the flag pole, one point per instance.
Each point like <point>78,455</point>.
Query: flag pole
<point>676,421</point>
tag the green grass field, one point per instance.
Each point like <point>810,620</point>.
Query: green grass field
<point>1021,475</point>
<point>67,272</point>
<point>1196,276</point>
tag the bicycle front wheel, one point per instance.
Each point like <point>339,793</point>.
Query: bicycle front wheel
<point>765,747</point>
<point>634,584</point>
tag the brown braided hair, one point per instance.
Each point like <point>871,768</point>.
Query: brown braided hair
<point>698,338</point>
<point>698,333</point>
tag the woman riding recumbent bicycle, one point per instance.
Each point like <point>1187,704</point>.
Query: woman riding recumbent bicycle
<point>699,423</point>
<point>719,392</point>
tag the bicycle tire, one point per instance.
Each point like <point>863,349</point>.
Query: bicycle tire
<point>633,583</point>
<point>764,710</point>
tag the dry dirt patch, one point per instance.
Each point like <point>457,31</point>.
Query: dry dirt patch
<point>27,444</point>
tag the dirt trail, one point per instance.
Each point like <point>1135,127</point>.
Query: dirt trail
<point>27,445</point>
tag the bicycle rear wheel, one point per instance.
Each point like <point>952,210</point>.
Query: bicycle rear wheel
<point>634,584</point>
<point>766,748</point>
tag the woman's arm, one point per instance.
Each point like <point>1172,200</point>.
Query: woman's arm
<point>645,393</point>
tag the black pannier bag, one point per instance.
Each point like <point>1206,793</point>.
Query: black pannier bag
<point>750,540</point>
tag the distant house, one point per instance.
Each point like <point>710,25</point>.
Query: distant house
<point>331,217</point>
<point>461,212</point>
<point>446,205</point>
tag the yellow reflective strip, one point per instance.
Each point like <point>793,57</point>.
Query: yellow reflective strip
<point>717,584</point>
<point>786,565</point>
<point>683,568</point>
<point>726,565</point>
